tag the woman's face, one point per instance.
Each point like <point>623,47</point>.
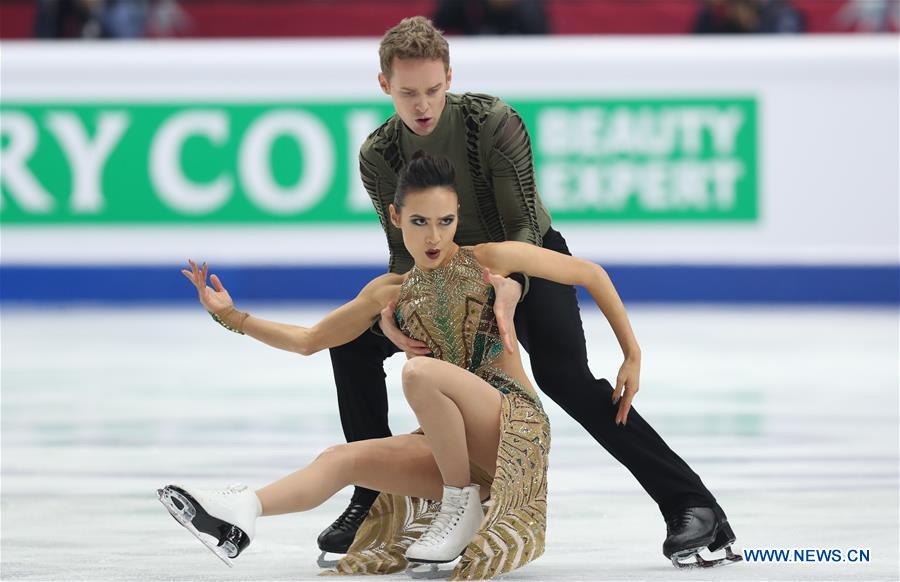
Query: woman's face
<point>428,222</point>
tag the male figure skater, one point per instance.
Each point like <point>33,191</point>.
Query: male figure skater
<point>490,148</point>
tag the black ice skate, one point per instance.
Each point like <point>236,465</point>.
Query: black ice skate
<point>337,537</point>
<point>691,530</point>
<point>223,520</point>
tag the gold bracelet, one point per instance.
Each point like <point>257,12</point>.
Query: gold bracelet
<point>221,320</point>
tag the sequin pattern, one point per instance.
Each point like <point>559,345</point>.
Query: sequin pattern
<point>451,309</point>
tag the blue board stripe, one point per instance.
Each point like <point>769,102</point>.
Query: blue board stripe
<point>128,284</point>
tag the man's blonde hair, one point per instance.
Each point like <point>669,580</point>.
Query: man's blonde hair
<point>413,38</point>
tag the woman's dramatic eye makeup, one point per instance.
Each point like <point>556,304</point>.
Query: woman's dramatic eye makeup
<point>421,221</point>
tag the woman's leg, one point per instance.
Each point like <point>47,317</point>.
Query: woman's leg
<point>460,414</point>
<point>401,464</point>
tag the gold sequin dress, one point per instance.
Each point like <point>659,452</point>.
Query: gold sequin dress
<point>451,309</point>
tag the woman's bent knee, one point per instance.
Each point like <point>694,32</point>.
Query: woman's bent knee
<point>419,369</point>
<point>418,380</point>
<point>344,456</point>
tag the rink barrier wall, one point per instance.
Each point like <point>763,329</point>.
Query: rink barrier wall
<point>662,150</point>
<point>679,284</point>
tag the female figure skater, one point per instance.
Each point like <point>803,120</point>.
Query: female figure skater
<point>483,430</point>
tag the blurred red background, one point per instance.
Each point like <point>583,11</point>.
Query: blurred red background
<point>299,18</point>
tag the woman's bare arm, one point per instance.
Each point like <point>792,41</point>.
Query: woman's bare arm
<point>516,257</point>
<point>340,326</point>
<point>337,328</point>
<point>512,257</point>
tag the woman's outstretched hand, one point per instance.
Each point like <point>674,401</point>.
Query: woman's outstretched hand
<point>627,385</point>
<point>507,293</point>
<point>214,300</point>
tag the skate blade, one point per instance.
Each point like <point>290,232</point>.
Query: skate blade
<point>183,515</point>
<point>419,570</point>
<point>701,562</point>
<point>324,562</point>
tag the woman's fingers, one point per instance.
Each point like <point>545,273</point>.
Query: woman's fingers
<point>617,393</point>
<point>490,278</point>
<point>630,386</point>
<point>505,335</point>
<point>216,282</point>
<point>199,281</point>
<point>199,272</point>
<point>201,277</point>
<point>413,346</point>
<point>504,306</point>
<point>625,406</point>
<point>192,276</point>
<point>197,276</point>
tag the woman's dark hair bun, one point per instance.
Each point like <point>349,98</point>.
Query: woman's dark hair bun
<point>421,172</point>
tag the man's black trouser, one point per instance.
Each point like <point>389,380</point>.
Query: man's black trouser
<point>548,324</point>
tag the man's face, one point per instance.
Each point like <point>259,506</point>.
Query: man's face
<point>418,89</point>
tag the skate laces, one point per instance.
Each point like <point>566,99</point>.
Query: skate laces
<point>450,512</point>
<point>679,520</point>
<point>351,515</point>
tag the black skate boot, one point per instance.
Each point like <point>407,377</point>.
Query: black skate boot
<point>690,530</point>
<point>337,537</point>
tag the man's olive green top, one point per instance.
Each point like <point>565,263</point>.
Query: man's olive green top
<point>489,147</point>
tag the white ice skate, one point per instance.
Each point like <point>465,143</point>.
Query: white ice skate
<point>450,532</point>
<point>224,520</point>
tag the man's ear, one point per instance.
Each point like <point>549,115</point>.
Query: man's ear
<point>383,83</point>
<point>395,218</point>
<point>449,76</point>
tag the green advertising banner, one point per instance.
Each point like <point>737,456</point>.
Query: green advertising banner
<point>598,159</point>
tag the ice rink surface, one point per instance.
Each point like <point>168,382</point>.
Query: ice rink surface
<point>790,415</point>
